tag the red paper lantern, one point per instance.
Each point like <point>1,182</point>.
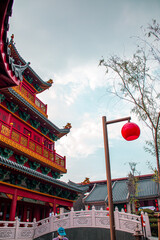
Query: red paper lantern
<point>130,131</point>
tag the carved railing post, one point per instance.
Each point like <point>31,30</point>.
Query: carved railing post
<point>147,223</point>
<point>16,228</point>
<point>93,217</point>
<point>71,215</point>
<point>116,218</point>
<point>11,127</point>
<point>34,226</point>
<point>51,223</point>
<point>86,207</point>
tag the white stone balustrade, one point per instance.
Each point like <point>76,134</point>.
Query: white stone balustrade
<point>74,219</point>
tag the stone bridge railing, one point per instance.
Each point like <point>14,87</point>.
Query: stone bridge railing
<point>74,219</point>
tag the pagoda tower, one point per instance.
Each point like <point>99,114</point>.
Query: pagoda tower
<point>30,167</point>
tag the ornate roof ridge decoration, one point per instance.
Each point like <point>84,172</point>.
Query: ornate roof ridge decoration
<point>62,131</point>
<point>17,69</point>
<point>84,188</point>
<point>47,84</point>
<point>16,166</point>
<point>9,76</point>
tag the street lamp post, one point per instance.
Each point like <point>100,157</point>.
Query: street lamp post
<point>108,171</point>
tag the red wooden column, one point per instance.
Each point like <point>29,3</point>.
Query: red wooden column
<point>13,207</point>
<point>24,219</point>
<point>47,211</point>
<point>54,206</point>
<point>5,211</point>
<point>31,213</point>
<point>37,213</point>
<point>64,161</point>
<point>9,118</point>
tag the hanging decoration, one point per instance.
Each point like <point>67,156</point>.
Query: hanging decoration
<point>130,131</point>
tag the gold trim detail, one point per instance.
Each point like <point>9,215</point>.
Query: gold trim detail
<point>5,130</point>
<point>23,94</point>
<point>29,190</point>
<point>10,196</point>
<point>25,122</point>
<point>31,153</point>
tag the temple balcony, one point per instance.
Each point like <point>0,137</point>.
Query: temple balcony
<point>32,99</point>
<point>14,139</point>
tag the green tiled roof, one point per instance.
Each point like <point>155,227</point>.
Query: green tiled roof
<point>120,191</point>
<point>33,173</point>
<point>65,130</point>
<point>98,194</point>
<point>147,187</point>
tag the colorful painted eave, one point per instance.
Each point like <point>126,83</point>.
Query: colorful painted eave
<point>33,173</point>
<point>83,188</point>
<point>61,132</point>
<point>9,76</point>
<point>44,85</point>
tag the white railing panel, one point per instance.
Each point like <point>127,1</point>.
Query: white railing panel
<point>102,222</point>
<point>65,223</point>
<point>7,233</point>
<point>74,219</point>
<point>42,227</point>
<point>26,233</point>
<point>129,226</point>
<point>82,221</point>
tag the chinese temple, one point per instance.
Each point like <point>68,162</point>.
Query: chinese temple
<point>146,195</point>
<point>30,167</point>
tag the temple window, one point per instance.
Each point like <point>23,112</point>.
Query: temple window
<point>36,138</point>
<point>48,145</point>
<point>3,116</point>
<point>26,132</point>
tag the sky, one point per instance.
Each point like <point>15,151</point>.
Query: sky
<point>64,41</point>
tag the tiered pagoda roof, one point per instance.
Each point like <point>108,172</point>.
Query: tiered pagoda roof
<point>25,161</point>
<point>31,76</point>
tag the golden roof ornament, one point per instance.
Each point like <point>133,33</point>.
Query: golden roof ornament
<point>68,126</point>
<point>86,181</point>
<point>50,81</point>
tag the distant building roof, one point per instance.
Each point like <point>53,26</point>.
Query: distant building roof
<point>118,179</point>
<point>97,194</point>
<point>147,188</point>
<point>120,191</point>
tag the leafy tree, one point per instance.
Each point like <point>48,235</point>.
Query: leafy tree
<point>137,81</point>
<point>132,185</point>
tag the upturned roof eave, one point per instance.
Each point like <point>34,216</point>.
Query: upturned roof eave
<point>83,188</point>
<point>46,84</point>
<point>61,131</point>
<point>33,173</point>
<point>8,75</point>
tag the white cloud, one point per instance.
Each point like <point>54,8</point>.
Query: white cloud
<point>83,140</point>
<point>77,80</point>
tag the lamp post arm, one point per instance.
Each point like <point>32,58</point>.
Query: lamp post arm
<point>119,120</point>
